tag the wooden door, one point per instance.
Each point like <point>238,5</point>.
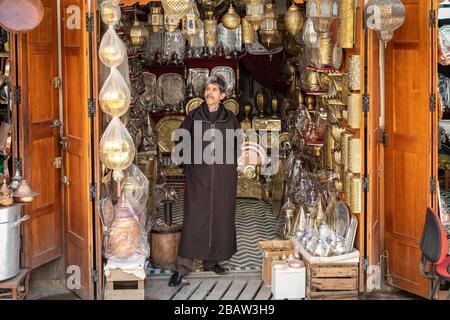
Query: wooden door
<point>39,141</point>
<point>408,168</point>
<point>77,169</point>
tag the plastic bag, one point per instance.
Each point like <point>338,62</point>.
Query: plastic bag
<point>112,51</point>
<point>117,150</point>
<point>115,94</point>
<point>135,191</point>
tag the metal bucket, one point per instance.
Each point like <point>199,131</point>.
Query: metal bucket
<point>10,221</point>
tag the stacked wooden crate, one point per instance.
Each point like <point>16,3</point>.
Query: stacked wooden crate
<point>332,281</point>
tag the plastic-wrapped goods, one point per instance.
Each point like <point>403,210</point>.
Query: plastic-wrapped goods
<point>135,190</point>
<point>117,148</point>
<point>115,94</point>
<point>112,50</point>
<point>110,13</point>
<point>125,232</point>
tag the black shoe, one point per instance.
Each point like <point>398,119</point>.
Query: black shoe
<point>175,279</point>
<point>217,269</point>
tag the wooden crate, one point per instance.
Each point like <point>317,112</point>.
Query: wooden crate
<point>123,286</point>
<point>332,281</point>
<point>17,287</point>
<point>283,247</point>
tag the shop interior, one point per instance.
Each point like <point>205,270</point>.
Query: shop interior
<point>285,85</point>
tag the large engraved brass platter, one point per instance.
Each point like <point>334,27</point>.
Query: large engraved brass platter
<point>231,105</point>
<point>193,104</point>
<point>164,128</point>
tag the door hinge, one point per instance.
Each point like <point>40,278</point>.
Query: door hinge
<point>432,18</point>
<point>91,108</point>
<point>17,96</point>
<point>432,99</point>
<point>94,275</point>
<point>65,181</point>
<point>92,191</point>
<point>365,184</point>
<point>432,185</point>
<point>366,102</point>
<point>56,83</point>
<point>64,144</point>
<point>89,22</point>
<point>365,263</point>
<point>384,138</point>
<point>58,163</point>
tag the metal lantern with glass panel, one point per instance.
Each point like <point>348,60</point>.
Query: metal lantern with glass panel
<point>138,33</point>
<point>191,27</point>
<point>268,32</point>
<point>321,13</point>
<point>255,11</point>
<point>156,18</point>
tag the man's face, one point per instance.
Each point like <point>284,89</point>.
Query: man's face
<point>213,95</point>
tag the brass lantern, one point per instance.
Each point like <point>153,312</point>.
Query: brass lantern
<point>156,18</point>
<point>210,30</point>
<point>293,20</point>
<point>384,16</point>
<point>321,13</point>
<point>174,10</point>
<point>248,33</point>
<point>190,27</point>
<point>231,19</point>
<point>138,33</point>
<point>269,34</point>
<point>255,11</point>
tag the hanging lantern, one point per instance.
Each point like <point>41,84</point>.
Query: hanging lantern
<point>117,149</point>
<point>115,96</point>
<point>269,34</point>
<point>156,18</point>
<point>210,30</point>
<point>190,27</point>
<point>384,16</point>
<point>110,14</point>
<point>112,50</point>
<point>138,33</point>
<point>321,13</point>
<point>174,10</point>
<point>293,20</point>
<point>255,11</point>
<point>231,19</point>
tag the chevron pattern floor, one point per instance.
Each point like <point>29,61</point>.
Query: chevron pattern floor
<point>255,221</point>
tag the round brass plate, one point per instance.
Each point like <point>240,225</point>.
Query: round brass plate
<point>193,104</point>
<point>164,128</point>
<point>232,105</point>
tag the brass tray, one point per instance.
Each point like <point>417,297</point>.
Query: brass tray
<point>164,128</point>
<point>192,104</point>
<point>232,105</point>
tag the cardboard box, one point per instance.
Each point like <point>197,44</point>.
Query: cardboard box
<point>270,249</point>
